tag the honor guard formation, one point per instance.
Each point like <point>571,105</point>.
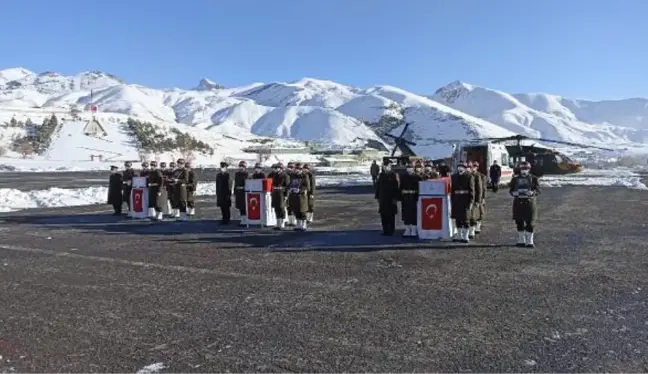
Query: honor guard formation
<point>172,189</point>
<point>467,197</point>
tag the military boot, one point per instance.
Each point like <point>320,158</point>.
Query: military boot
<point>309,217</point>
<point>159,216</point>
<point>478,227</point>
<point>176,213</point>
<point>521,240</point>
<point>291,221</point>
<point>471,232</point>
<point>414,232</point>
<point>529,239</point>
<point>299,226</point>
<point>191,211</point>
<point>457,233</point>
<point>465,235</point>
<point>244,221</point>
<point>151,212</point>
<point>406,233</point>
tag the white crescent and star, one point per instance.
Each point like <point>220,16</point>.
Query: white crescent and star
<point>255,200</point>
<point>431,210</point>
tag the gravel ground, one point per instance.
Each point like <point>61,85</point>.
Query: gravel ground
<point>85,292</point>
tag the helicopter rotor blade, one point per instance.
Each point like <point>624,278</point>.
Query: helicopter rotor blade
<point>574,144</point>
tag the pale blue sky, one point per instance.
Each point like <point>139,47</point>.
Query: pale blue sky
<point>577,48</point>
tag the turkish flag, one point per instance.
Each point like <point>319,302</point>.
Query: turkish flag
<point>432,213</point>
<point>254,206</point>
<point>138,196</point>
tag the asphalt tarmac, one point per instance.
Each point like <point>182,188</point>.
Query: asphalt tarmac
<point>82,291</point>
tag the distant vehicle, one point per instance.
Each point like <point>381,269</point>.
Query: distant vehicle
<point>544,161</point>
<point>485,152</point>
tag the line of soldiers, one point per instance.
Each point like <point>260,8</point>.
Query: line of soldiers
<point>171,189</point>
<point>293,193</point>
<point>391,188</point>
<point>468,199</point>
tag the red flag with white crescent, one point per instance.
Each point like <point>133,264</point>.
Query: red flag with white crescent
<point>254,206</point>
<point>432,213</point>
<point>138,196</point>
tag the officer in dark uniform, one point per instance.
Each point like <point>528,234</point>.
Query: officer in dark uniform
<point>258,171</point>
<point>524,188</point>
<point>115,193</point>
<point>409,190</point>
<point>280,182</point>
<point>462,199</point>
<point>290,171</point>
<point>387,194</point>
<point>444,169</point>
<point>240,177</point>
<point>129,173</point>
<point>224,193</point>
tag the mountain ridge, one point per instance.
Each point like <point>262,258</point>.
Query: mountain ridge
<point>320,110</point>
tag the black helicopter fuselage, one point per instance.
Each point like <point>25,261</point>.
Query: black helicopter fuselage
<point>544,161</point>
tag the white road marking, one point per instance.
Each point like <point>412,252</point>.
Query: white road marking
<point>150,265</point>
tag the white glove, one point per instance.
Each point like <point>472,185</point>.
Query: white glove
<point>515,193</point>
<point>128,183</point>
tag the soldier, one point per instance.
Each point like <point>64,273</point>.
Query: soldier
<point>157,191</point>
<point>289,213</point>
<point>145,170</point>
<point>192,187</point>
<point>180,180</point>
<point>166,205</point>
<point>524,188</point>
<point>280,182</point>
<point>298,196</point>
<point>474,212</point>
<point>258,172</point>
<point>444,170</point>
<point>375,170</point>
<point>387,194</point>
<point>481,204</point>
<point>129,173</point>
<point>311,193</point>
<point>495,173</point>
<point>409,190</point>
<point>240,177</point>
<point>462,198</point>
<point>224,193</point>
<point>174,210</point>
<point>430,172</point>
<point>115,193</point>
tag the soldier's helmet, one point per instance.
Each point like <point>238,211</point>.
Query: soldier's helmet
<point>113,167</point>
<point>223,164</point>
<point>163,165</point>
<point>306,167</point>
<point>291,165</point>
<point>279,165</point>
<point>180,161</point>
<point>128,164</point>
<point>475,165</point>
<point>242,164</point>
<point>172,164</point>
<point>145,164</point>
<point>258,165</point>
<point>153,164</point>
<point>524,165</point>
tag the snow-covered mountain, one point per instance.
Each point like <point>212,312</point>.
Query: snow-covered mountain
<point>604,123</point>
<point>327,112</point>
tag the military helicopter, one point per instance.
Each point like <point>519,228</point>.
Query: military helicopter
<point>407,154</point>
<point>544,161</point>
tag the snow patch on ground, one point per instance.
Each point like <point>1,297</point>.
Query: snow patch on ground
<point>597,177</point>
<point>153,368</point>
<point>12,199</point>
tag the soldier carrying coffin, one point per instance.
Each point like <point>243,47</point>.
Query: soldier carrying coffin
<point>409,190</point>
<point>462,198</point>
<point>474,211</point>
<point>128,174</point>
<point>173,200</point>
<point>224,193</point>
<point>157,191</point>
<point>524,188</point>
<point>258,171</point>
<point>115,193</point>
<point>289,213</point>
<point>240,177</point>
<point>180,180</point>
<point>280,182</point>
<point>298,196</point>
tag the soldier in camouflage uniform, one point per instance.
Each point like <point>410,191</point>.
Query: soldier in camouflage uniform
<point>192,188</point>
<point>180,180</point>
<point>311,193</point>
<point>157,191</point>
<point>483,182</point>
<point>409,191</point>
<point>280,182</point>
<point>289,213</point>
<point>524,188</point>
<point>462,198</point>
<point>128,174</point>
<point>298,196</point>
<point>240,177</point>
<point>475,211</point>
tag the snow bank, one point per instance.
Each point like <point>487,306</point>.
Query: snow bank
<point>12,199</point>
<point>596,177</point>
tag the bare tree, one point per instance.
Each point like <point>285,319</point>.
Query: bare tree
<point>25,148</point>
<point>74,111</point>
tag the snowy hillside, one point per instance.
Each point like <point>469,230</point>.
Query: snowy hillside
<point>314,110</point>
<point>606,123</point>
